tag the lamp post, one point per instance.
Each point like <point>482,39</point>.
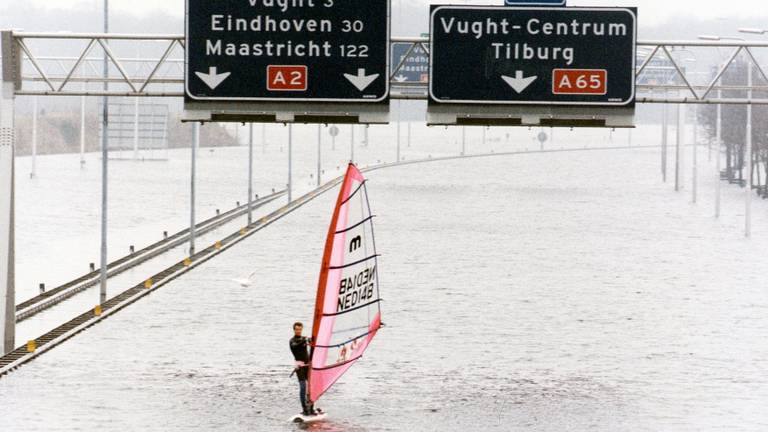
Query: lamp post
<point>34,136</point>
<point>289,186</point>
<point>104,168</point>
<point>748,155</point>
<point>250,173</point>
<point>642,55</point>
<point>679,155</point>
<point>718,131</point>
<point>319,152</point>
<point>748,137</point>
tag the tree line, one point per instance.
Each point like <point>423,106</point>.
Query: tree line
<point>734,128</point>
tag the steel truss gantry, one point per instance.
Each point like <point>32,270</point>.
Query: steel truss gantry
<point>163,75</point>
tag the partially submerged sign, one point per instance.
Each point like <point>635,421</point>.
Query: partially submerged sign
<point>532,57</point>
<point>274,51</point>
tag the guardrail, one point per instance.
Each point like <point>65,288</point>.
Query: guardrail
<point>48,299</point>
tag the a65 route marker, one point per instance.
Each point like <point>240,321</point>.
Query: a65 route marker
<point>580,81</point>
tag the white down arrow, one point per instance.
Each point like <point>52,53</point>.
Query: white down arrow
<point>361,81</point>
<point>519,83</point>
<point>212,79</point>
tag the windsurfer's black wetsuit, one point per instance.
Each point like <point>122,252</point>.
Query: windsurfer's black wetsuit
<point>300,350</point>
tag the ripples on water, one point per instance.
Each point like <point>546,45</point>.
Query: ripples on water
<point>538,293</point>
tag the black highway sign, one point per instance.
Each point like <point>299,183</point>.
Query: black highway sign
<point>287,50</point>
<point>532,55</point>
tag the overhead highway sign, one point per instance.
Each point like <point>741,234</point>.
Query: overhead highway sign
<point>287,50</point>
<point>532,56</point>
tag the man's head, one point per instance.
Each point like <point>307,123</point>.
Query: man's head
<point>298,328</point>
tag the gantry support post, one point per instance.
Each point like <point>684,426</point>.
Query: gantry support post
<point>10,83</point>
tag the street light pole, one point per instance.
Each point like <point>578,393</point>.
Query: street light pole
<point>718,144</point>
<point>664,137</point>
<point>192,177</point>
<point>408,124</point>
<point>718,155</point>
<point>290,162</point>
<point>319,152</point>
<point>35,109</point>
<point>719,129</point>
<point>748,150</point>
<point>397,130</point>
<point>7,204</point>
<point>104,168</point>
<point>695,171</point>
<point>748,157</point>
<point>679,149</point>
<point>82,130</point>
<point>678,153</point>
<point>250,173</point>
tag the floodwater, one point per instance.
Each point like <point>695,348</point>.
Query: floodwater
<point>537,292</point>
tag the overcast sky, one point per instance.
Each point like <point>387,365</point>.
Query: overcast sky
<point>652,12</point>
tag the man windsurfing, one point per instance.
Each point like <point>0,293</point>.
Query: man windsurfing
<point>300,349</point>
<point>347,299</point>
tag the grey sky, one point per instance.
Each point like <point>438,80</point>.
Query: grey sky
<point>652,12</point>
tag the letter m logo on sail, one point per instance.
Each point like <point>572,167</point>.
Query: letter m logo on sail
<point>355,244</point>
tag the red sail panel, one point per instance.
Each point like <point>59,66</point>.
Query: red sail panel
<point>347,308</point>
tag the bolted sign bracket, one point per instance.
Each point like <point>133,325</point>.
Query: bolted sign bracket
<point>286,112</point>
<point>530,116</point>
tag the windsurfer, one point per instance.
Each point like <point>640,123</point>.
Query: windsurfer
<point>299,348</point>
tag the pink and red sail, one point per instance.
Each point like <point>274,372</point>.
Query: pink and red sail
<point>347,308</point>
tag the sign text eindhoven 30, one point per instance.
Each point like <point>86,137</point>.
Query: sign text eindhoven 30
<point>287,50</point>
<point>533,56</point>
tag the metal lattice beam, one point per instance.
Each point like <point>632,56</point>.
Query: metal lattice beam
<point>168,70</point>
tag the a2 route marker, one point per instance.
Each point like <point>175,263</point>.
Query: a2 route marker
<point>287,78</point>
